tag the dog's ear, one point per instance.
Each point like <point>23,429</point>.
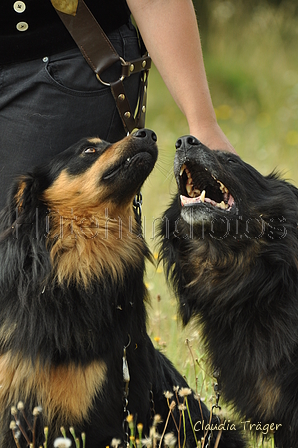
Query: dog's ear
<point>25,194</point>
<point>22,203</point>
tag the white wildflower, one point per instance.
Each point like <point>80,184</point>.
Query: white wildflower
<point>62,442</point>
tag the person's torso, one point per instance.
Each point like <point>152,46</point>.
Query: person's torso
<point>31,28</point>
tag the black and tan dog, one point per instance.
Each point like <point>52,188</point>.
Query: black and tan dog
<point>73,334</point>
<point>229,241</point>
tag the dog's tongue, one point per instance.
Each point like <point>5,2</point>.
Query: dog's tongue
<point>231,200</point>
<point>185,200</point>
<point>201,199</point>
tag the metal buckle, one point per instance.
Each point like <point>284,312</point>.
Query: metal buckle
<point>123,63</point>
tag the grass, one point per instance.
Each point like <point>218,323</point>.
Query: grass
<point>252,67</point>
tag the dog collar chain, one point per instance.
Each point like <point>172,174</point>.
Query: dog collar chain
<point>137,206</point>
<point>152,407</point>
<point>126,380</point>
<point>215,418</point>
<point>217,390</point>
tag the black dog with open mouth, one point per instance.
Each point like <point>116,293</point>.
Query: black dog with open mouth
<point>229,244</point>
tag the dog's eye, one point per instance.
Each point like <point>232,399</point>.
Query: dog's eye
<point>89,150</point>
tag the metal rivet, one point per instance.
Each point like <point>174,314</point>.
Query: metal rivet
<point>144,109</point>
<point>144,63</point>
<point>45,59</point>
<point>121,97</point>
<point>127,115</point>
<point>19,6</point>
<point>132,67</point>
<point>22,26</point>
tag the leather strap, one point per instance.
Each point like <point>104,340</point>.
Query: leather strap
<point>100,55</point>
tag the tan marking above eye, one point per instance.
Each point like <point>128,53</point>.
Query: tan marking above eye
<point>94,140</point>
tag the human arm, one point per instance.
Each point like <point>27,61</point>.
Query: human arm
<point>170,32</point>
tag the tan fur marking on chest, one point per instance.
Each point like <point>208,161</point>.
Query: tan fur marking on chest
<point>268,397</point>
<point>93,245</point>
<point>67,391</point>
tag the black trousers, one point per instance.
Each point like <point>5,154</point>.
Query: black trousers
<point>50,103</point>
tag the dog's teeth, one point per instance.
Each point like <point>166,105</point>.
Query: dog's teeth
<point>222,205</point>
<point>222,188</point>
<point>196,192</point>
<point>182,169</point>
<point>189,181</point>
<point>202,197</point>
<point>189,189</point>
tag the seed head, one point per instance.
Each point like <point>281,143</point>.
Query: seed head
<point>170,440</point>
<point>12,425</point>
<point>172,405</point>
<point>61,442</point>
<point>184,391</point>
<point>37,411</point>
<point>157,419</point>
<point>13,410</point>
<point>168,394</point>
<point>20,406</point>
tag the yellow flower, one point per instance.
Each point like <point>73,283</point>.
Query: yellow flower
<point>129,418</point>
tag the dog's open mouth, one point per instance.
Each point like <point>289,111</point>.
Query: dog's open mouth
<point>199,186</point>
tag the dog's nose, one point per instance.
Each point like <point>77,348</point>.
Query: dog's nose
<point>146,133</point>
<point>187,142</point>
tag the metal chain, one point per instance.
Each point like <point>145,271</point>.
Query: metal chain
<point>126,380</point>
<point>152,407</point>
<point>217,390</point>
<point>137,205</point>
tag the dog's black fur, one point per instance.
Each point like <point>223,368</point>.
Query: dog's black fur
<point>234,268</point>
<point>72,296</point>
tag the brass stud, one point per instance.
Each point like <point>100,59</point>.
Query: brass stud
<point>132,67</point>
<point>121,97</point>
<point>127,115</point>
<point>144,109</point>
<point>144,63</point>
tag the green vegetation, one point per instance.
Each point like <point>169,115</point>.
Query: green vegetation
<point>252,67</point>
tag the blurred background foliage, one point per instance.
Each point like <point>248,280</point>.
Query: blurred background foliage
<point>251,60</point>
